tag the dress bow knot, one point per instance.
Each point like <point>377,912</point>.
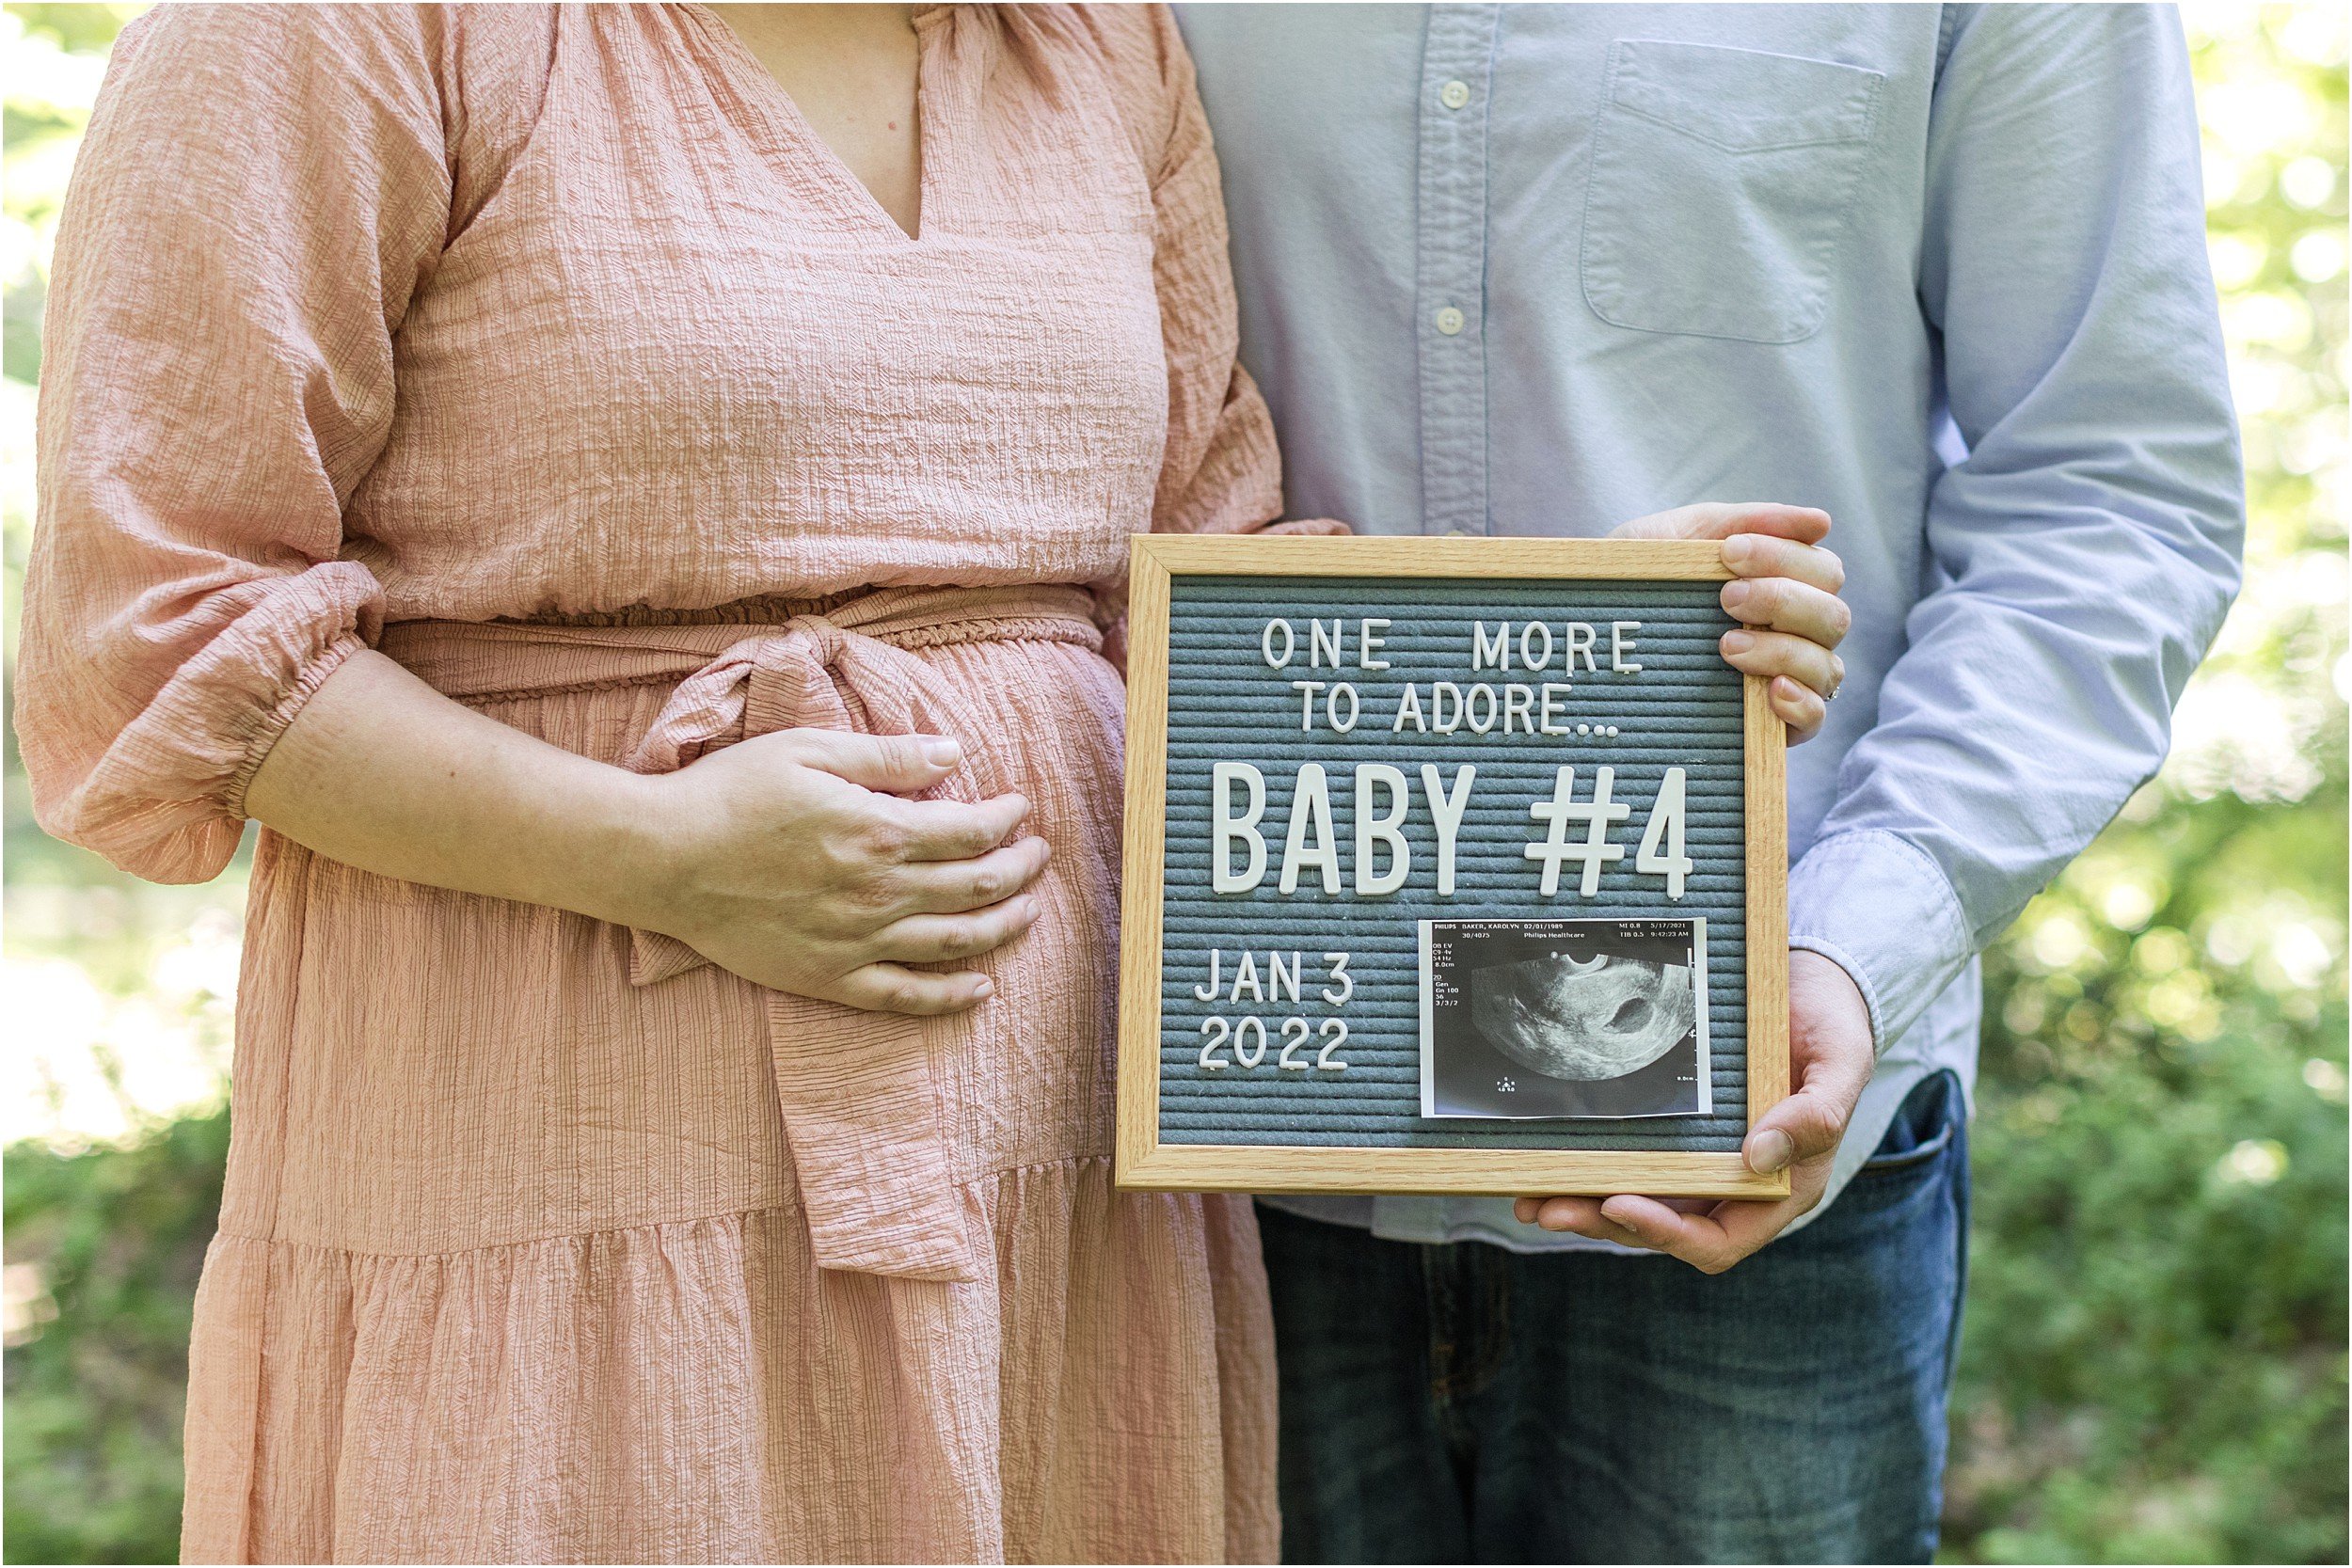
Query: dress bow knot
<point>863,1111</point>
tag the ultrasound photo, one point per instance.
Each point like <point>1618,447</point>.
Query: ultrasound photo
<point>1527,1019</point>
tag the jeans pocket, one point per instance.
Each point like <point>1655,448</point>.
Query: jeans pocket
<point>1925,1126</point>
<point>1721,183</point>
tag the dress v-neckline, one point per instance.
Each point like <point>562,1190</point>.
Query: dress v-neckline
<point>774,103</point>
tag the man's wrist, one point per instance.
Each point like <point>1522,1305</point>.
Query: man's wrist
<point>1828,953</point>
<point>1883,911</point>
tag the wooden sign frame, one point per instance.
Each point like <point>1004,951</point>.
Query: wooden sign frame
<point>1143,1161</point>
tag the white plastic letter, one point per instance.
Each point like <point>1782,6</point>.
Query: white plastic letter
<point>1550,687</point>
<point>1620,644</point>
<point>1439,720</point>
<point>1594,850</point>
<point>1278,975</point>
<point>1368,644</point>
<point>1248,976</point>
<point>1408,707</point>
<point>1580,642</point>
<point>1666,816</point>
<point>1331,707</point>
<point>1497,653</point>
<point>1306,691</point>
<point>1519,702</point>
<point>1447,813</point>
<point>1373,829</point>
<point>1208,992</point>
<point>1310,808</point>
<point>1265,644</point>
<point>1223,877</point>
<point>1469,707</point>
<point>1320,642</point>
<point>1526,657</point>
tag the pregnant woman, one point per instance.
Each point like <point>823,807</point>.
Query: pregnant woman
<point>628,496</point>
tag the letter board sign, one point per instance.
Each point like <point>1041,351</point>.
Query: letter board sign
<point>1453,866</point>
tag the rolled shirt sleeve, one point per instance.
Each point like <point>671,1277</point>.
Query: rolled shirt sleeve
<point>2086,547</point>
<point>257,199</point>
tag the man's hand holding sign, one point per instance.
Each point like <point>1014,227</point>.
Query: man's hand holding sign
<point>1786,589</point>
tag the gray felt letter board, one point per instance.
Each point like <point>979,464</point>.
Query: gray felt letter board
<point>1453,866</point>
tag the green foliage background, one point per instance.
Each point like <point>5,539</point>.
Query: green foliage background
<point>2154,1363</point>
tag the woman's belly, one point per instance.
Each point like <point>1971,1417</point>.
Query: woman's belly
<point>419,1070</point>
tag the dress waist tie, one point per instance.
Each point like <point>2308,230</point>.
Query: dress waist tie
<point>861,1103</point>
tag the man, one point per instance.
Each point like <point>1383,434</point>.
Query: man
<point>1940,271</point>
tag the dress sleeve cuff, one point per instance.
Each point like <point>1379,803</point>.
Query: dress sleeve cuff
<point>1878,908</point>
<point>164,798</point>
<point>328,660</point>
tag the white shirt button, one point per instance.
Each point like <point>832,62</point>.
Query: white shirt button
<point>1449,320</point>
<point>1453,94</point>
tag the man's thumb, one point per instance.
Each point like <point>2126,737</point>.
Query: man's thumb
<point>1804,1126</point>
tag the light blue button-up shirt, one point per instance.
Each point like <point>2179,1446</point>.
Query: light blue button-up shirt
<point>1940,270</point>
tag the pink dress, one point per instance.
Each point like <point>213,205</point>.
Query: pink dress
<point>548,350</point>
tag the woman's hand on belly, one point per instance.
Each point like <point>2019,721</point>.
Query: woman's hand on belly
<point>790,858</point>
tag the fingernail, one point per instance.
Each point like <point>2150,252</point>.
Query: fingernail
<point>1030,909</point>
<point>1736,595</point>
<point>1738,642</point>
<point>985,990</point>
<point>1771,1152</point>
<point>942,753</point>
<point>1738,549</point>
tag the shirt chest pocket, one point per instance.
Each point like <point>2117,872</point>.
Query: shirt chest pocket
<point>1722,181</point>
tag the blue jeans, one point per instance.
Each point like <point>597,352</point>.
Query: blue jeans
<point>1468,1404</point>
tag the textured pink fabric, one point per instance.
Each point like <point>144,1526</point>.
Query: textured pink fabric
<point>547,348</point>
